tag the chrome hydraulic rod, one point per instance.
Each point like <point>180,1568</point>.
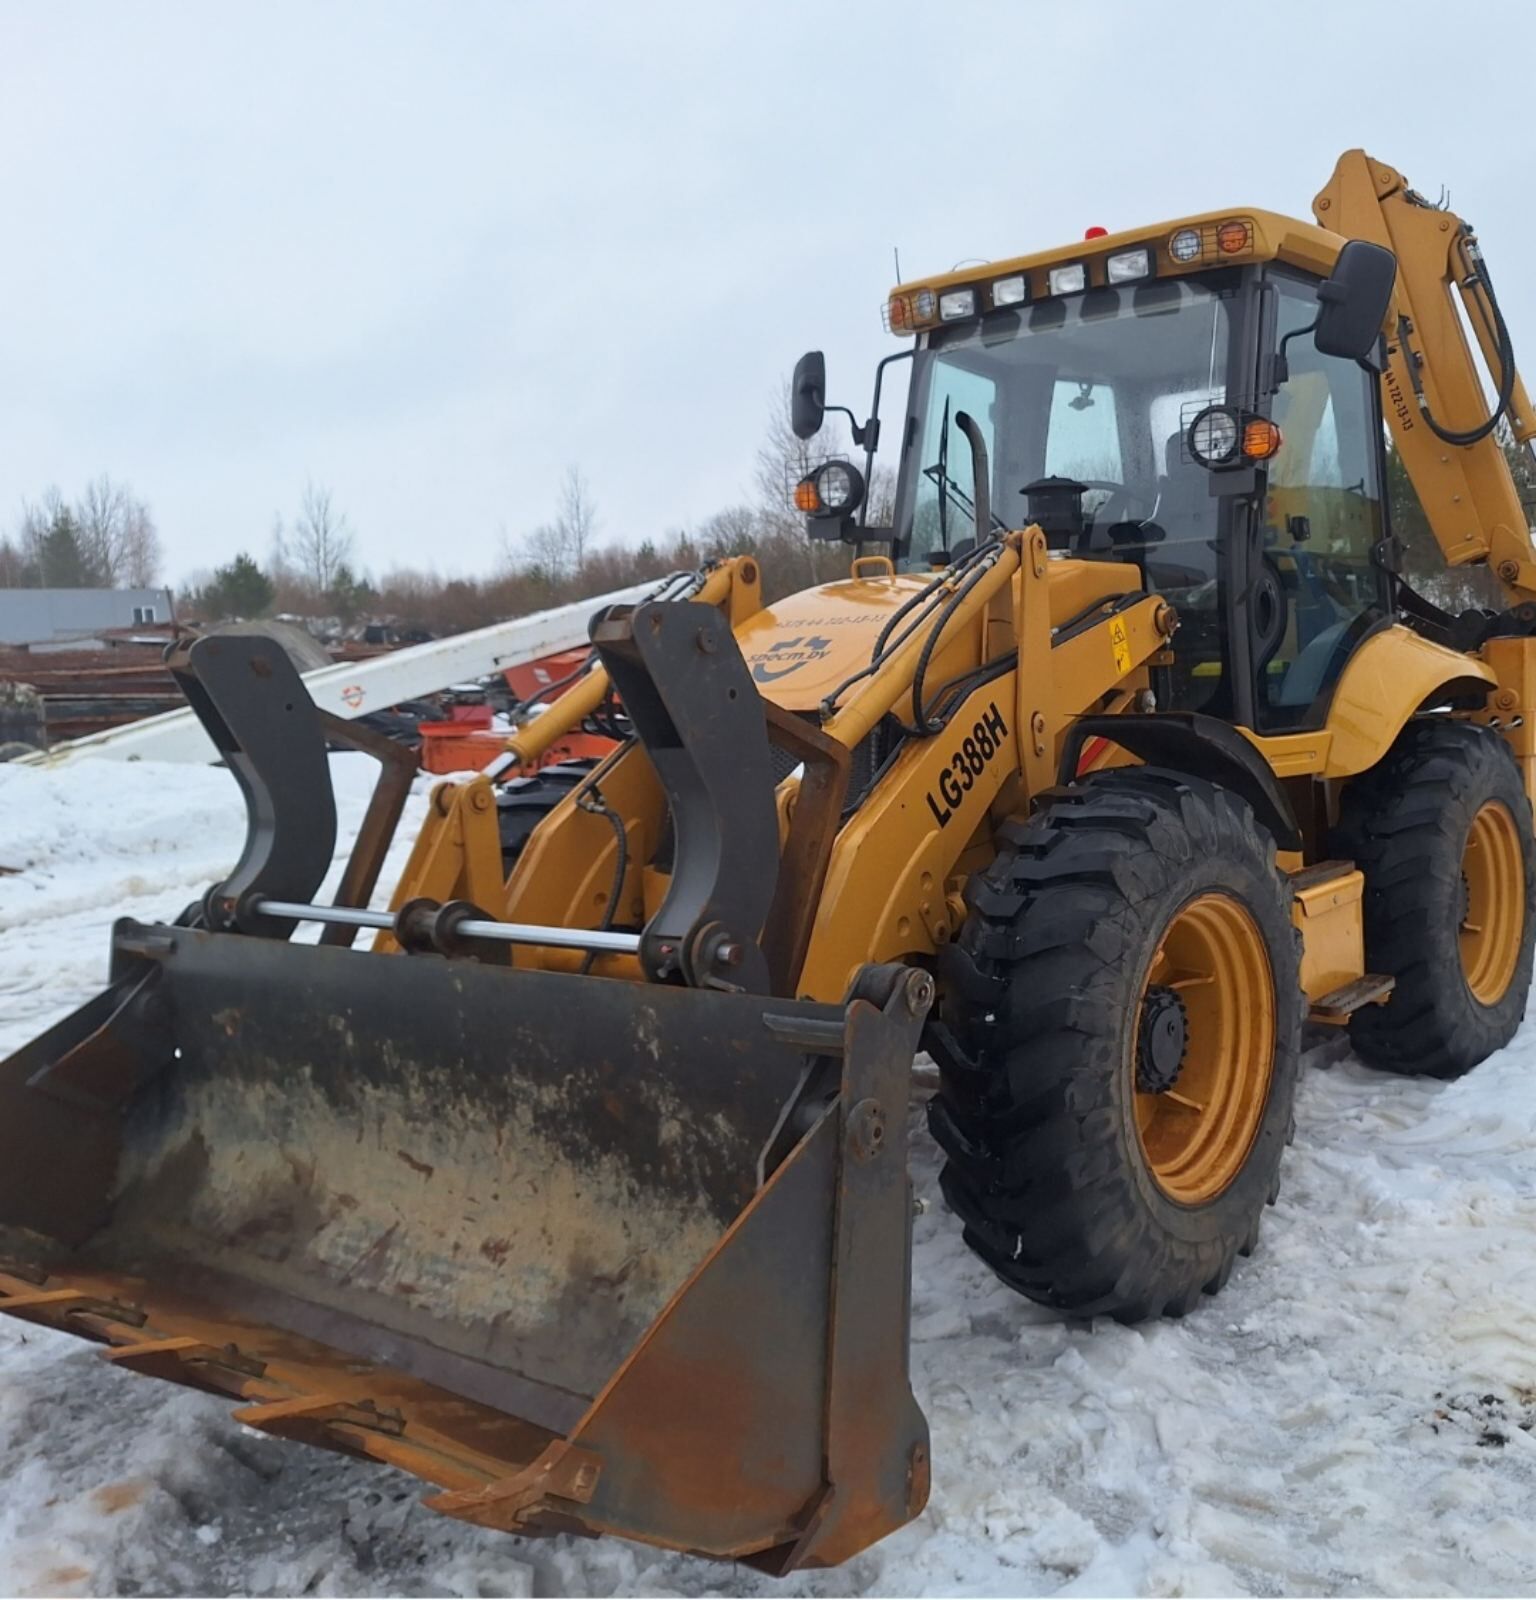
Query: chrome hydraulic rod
<point>346,916</point>
<point>471,928</point>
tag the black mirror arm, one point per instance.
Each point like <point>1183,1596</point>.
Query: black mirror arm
<point>872,427</point>
<point>853,423</point>
<point>1281,370</point>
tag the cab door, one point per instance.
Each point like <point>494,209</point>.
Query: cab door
<point>1318,586</point>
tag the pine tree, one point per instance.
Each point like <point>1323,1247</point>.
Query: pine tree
<point>348,595</point>
<point>241,589</point>
<point>61,555</point>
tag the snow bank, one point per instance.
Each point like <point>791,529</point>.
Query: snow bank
<point>1356,1413</point>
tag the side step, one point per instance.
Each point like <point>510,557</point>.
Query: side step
<point>1327,910</point>
<point>1371,990</point>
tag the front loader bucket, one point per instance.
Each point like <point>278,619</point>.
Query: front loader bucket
<point>588,1255</point>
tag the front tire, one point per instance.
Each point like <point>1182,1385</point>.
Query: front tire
<point>1442,830</point>
<point>1119,1046</point>
<point>523,803</point>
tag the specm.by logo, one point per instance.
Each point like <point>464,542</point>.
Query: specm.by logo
<point>787,655</point>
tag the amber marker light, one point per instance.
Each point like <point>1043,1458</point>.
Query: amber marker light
<point>806,497</point>
<point>1232,237</point>
<point>911,309</point>
<point>1261,439</point>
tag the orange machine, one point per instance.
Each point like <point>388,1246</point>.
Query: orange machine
<point>466,741</point>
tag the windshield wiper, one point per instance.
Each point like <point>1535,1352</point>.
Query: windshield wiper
<point>943,478</point>
<point>936,474</point>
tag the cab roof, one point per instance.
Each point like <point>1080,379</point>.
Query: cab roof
<point>1224,238</point>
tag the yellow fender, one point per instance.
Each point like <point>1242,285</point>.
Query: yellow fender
<point>1392,675</point>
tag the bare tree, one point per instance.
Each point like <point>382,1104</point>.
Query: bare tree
<point>118,536</point>
<point>575,523</point>
<point>881,495</point>
<point>16,572</point>
<point>734,530</point>
<point>322,539</point>
<point>547,550</point>
<point>279,560</point>
<point>112,530</point>
<point>541,551</point>
<point>37,517</point>
<point>561,548</point>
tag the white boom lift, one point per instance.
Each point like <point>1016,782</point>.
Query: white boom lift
<point>353,688</point>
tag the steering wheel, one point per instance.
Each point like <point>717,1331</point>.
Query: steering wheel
<point>1106,483</point>
<point>1120,500</point>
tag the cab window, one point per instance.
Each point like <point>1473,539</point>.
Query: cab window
<point>1082,438</point>
<point>1098,387</point>
<point>943,517</point>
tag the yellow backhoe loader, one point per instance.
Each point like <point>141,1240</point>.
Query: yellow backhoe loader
<point>1124,756</point>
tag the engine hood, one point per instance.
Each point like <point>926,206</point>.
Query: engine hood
<point>803,647</point>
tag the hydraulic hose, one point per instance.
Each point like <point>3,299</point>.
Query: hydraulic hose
<point>921,726</point>
<point>1477,279</point>
<point>591,799</point>
<point>922,600</point>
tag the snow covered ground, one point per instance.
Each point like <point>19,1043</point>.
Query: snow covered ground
<point>1353,1415</point>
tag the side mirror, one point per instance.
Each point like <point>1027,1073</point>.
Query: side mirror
<point>808,394</point>
<point>1353,303</point>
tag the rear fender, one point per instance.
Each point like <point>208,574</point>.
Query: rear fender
<point>1392,676</point>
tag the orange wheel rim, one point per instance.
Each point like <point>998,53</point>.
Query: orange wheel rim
<point>1493,923</point>
<point>1211,970</point>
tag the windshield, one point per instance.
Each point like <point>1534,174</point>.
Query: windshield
<point>1097,387</point>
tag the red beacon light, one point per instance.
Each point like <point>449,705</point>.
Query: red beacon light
<point>1097,233</point>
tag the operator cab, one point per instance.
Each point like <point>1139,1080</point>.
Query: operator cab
<point>1089,403</point>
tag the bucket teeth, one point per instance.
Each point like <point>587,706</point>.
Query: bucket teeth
<point>53,1305</point>
<point>357,1428</point>
<point>541,1498</point>
<point>302,1417</point>
<point>59,1300</point>
<point>218,1370</point>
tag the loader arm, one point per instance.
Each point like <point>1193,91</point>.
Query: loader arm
<point>1432,379</point>
<point>735,585</point>
<point>896,873</point>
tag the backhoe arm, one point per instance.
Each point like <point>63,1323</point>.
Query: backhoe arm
<point>1432,394</point>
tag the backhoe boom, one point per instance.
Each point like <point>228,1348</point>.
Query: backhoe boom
<point>1432,393</point>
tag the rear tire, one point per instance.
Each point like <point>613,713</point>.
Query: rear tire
<point>1442,830</point>
<point>1076,1003</point>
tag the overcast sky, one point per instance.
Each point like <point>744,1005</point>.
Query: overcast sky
<point>429,255</point>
